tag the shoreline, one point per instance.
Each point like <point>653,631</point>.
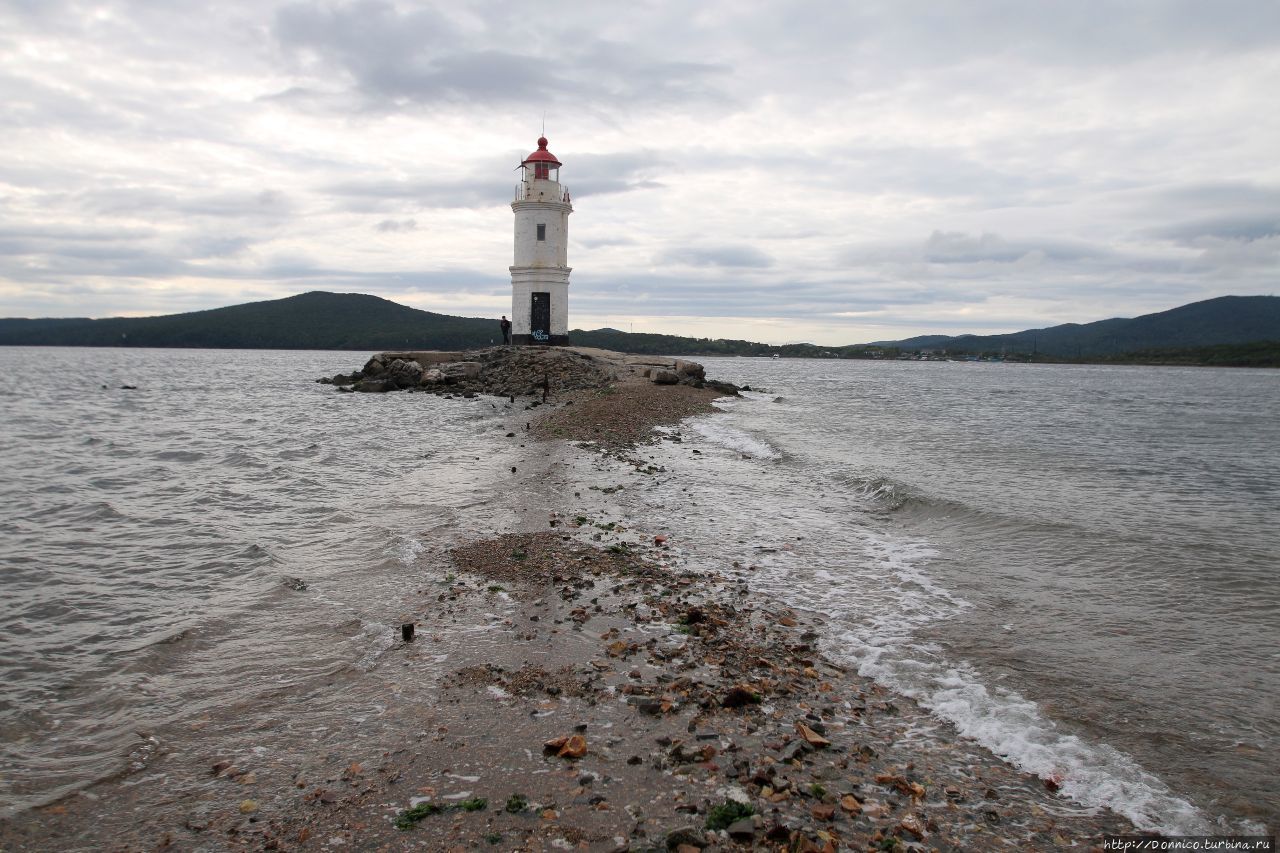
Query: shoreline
<point>531,654</point>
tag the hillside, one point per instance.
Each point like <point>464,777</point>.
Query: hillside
<point>315,320</point>
<point>320,320</point>
<point>1213,322</point>
<point>1254,354</point>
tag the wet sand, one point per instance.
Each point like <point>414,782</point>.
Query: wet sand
<point>566,690</point>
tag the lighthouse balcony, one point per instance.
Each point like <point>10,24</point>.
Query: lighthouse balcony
<point>542,191</point>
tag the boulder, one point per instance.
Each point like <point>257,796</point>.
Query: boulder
<point>461,369</point>
<point>685,836</point>
<point>342,379</point>
<point>405,374</point>
<point>375,386</point>
<point>690,369</point>
<point>665,377</point>
<point>723,387</point>
<point>742,830</point>
<point>374,366</point>
<point>431,377</point>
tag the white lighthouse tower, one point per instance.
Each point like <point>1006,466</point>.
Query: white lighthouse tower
<point>540,274</point>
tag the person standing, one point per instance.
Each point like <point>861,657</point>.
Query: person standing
<point>505,325</point>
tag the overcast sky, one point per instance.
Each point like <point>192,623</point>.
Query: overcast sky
<point>778,171</point>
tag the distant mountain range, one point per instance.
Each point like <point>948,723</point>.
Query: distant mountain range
<point>1225,320</point>
<point>316,320</point>
<point>353,321</point>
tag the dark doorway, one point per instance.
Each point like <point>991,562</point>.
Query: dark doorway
<point>540,318</point>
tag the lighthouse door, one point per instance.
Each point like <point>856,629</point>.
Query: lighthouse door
<point>540,318</point>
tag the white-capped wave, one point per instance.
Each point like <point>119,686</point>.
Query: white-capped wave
<point>818,540</point>
<point>715,430</point>
<point>878,595</point>
<point>1014,728</point>
<point>887,649</point>
<point>406,549</point>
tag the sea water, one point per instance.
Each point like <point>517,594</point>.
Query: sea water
<point>221,534</point>
<point>1075,566</point>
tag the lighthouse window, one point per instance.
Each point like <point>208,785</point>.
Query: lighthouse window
<point>542,232</point>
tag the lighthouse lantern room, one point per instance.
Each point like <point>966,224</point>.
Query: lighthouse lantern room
<point>540,274</point>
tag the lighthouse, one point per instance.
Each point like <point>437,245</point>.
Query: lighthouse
<point>540,273</point>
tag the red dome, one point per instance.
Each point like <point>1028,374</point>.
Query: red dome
<point>542,155</point>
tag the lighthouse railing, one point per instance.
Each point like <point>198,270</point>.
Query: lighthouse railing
<point>524,192</point>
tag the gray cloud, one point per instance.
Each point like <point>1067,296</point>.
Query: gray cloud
<point>422,192</point>
<point>391,226</point>
<point>622,171</point>
<point>960,248</point>
<point>394,56</point>
<point>1244,228</point>
<point>484,187</point>
<point>718,256</point>
<point>735,296</point>
<point>151,203</point>
<point>918,33</point>
<point>953,247</point>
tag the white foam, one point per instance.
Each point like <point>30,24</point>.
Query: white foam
<point>717,431</point>
<point>877,594</point>
<point>406,549</point>
<point>886,649</point>
<point>1014,728</point>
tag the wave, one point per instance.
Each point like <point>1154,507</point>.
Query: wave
<point>406,549</point>
<point>76,513</point>
<point>878,595</point>
<point>1015,729</point>
<point>715,430</point>
<point>880,635</point>
<point>179,455</point>
<point>241,458</point>
<point>884,492</point>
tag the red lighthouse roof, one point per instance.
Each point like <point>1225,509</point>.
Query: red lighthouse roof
<point>542,155</point>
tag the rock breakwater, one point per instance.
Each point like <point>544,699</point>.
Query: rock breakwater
<point>517,371</point>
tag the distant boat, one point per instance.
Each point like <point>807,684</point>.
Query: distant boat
<point>775,355</point>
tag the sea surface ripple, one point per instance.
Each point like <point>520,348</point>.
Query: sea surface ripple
<point>1077,566</point>
<point>156,541</point>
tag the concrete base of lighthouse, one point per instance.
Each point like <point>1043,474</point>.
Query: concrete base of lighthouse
<point>540,306</point>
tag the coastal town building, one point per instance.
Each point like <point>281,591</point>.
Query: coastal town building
<point>540,273</point>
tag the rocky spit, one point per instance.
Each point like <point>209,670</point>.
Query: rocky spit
<point>572,688</point>
<point>508,371</point>
<point>644,709</point>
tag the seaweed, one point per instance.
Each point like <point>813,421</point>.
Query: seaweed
<point>410,817</point>
<point>728,812</point>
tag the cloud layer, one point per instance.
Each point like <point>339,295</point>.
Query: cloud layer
<point>816,171</point>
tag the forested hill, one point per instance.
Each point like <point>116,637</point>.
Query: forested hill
<point>1213,322</point>
<point>315,320</point>
<point>353,321</point>
<point>320,320</point>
